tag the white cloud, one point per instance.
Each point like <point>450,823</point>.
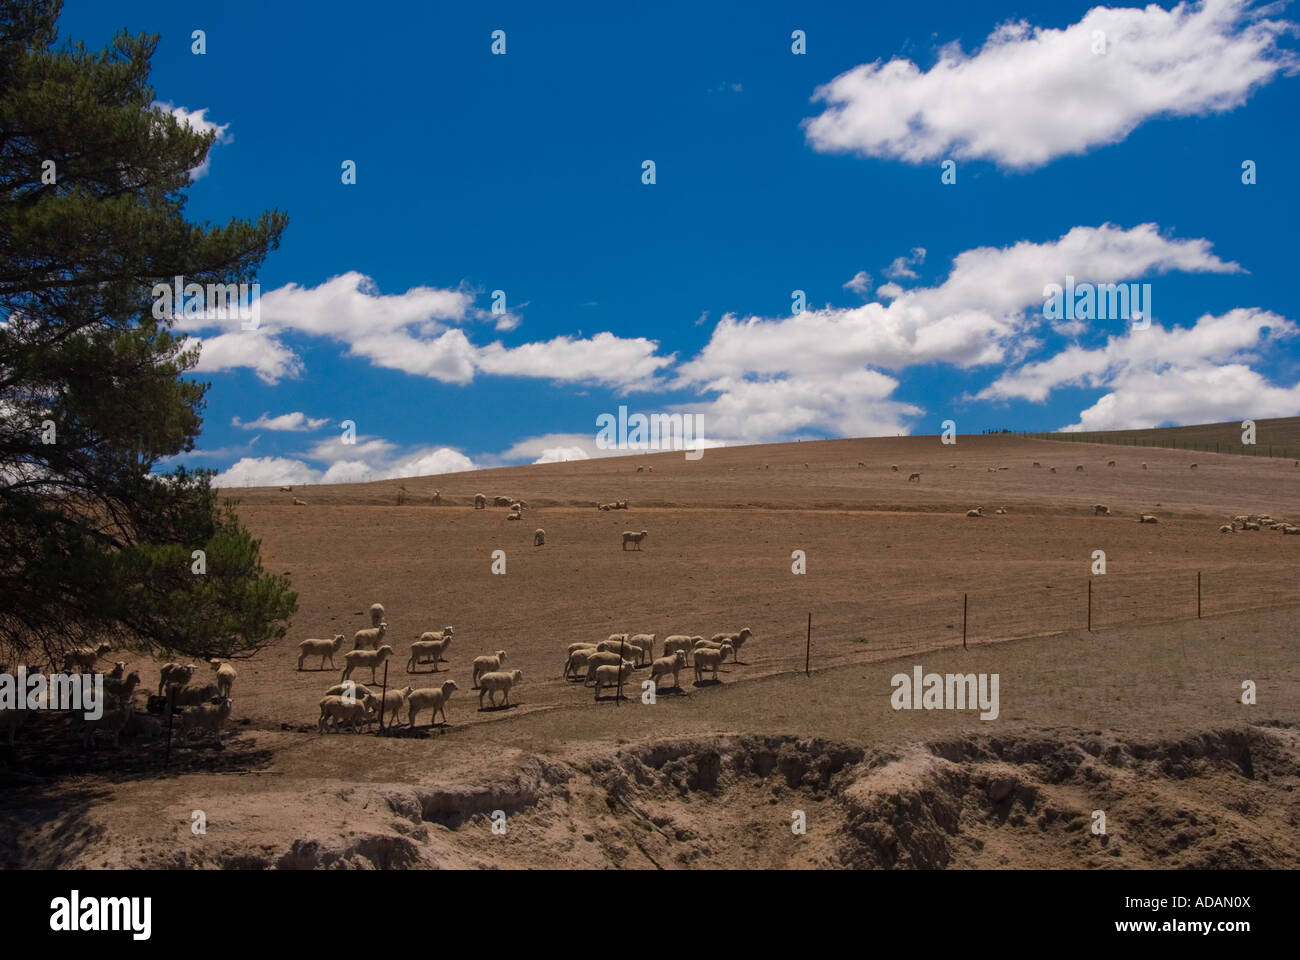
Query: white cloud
<point>901,268</point>
<point>266,472</point>
<point>296,422</point>
<point>255,350</point>
<point>562,455</point>
<point>860,283</point>
<point>197,120</point>
<point>1032,94</point>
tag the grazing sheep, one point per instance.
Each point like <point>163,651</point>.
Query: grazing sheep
<point>993,469</point>
<point>666,665</point>
<point>1147,518</point>
<point>640,469</point>
<point>205,716</point>
<point>502,681</point>
<point>430,698</point>
<point>861,464</point>
<point>620,504</point>
<point>1249,526</point>
<point>488,663</point>
<point>225,675</point>
<point>894,467</point>
<point>517,507</point>
<point>299,503</point>
<point>1228,528</point>
<point>320,648</point>
<point>116,714</point>
<point>427,651</point>
<point>1004,468</point>
<point>601,659</point>
<point>480,502</point>
<point>337,712</point>
<point>539,537</point>
<point>580,644</point>
<point>1110,463</point>
<point>1079,468</point>
<point>369,638</point>
<point>612,675</point>
<point>737,640</point>
<point>623,648</point>
<point>576,664</point>
<point>914,478</point>
<point>437,497</point>
<point>1288,528</point>
<point>514,516</point>
<point>359,690</point>
<point>122,688</point>
<point>646,641</point>
<point>707,658</point>
<point>286,489</point>
<point>174,673</point>
<point>977,512</point>
<point>365,658</point>
<point>390,701</point>
<point>1100,509</point>
<point>1193,466</point>
<point>501,501</point>
<point>83,658</point>
<point>377,614</point>
<point>678,641</point>
<point>634,538</point>
<point>182,696</point>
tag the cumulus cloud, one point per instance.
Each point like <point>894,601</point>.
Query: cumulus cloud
<point>266,472</point>
<point>295,422</point>
<point>860,283</point>
<point>254,350</point>
<point>198,120</point>
<point>1031,94</point>
<point>901,268</point>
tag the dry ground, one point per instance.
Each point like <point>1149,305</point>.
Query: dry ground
<point>1140,719</point>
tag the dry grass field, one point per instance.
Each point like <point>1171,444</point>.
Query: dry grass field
<point>1140,718</point>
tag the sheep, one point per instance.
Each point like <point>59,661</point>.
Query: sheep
<point>612,675</point>
<point>539,537</point>
<point>666,665</point>
<point>640,469</point>
<point>977,512</point>
<point>114,718</point>
<point>577,662</point>
<point>647,643</point>
<point>861,464</point>
<point>514,516</point>
<point>1249,526</point>
<point>437,497</point>
<point>677,641</point>
<point>623,648</point>
<point>286,489</point>
<point>1110,463</point>
<point>1290,529</point>
<point>434,698</point>
<point>1100,509</point>
<point>206,716</point>
<point>299,503</point>
<point>497,680</point>
<point>179,695</point>
<point>225,675</point>
<point>604,506</point>
<point>914,478</point>
<point>1144,464</point>
<point>601,659</point>
<point>633,538</point>
<point>320,648</point>
<point>390,701</point>
<point>501,501</point>
<point>174,673</point>
<point>119,669</point>
<point>1079,468</point>
<point>1147,518</point>
<point>517,507</point>
<point>337,711</point>
<point>365,658</point>
<point>580,644</point>
<point>488,663</point>
<point>993,469</point>
<point>427,651</point>
<point>894,467</point>
<point>83,658</point>
<point>1193,466</point>
<point>370,638</point>
<point>480,502</point>
<point>1228,528</point>
<point>620,504</point>
<point>377,614</point>
<point>1053,469</point>
<point>737,640</point>
<point>707,658</point>
<point>122,688</point>
<point>1037,464</point>
<point>357,691</point>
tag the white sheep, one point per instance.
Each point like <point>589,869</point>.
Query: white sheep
<point>434,698</point>
<point>114,718</point>
<point>429,649</point>
<point>514,516</point>
<point>977,512</point>
<point>337,711</point>
<point>487,663</point>
<point>678,641</point>
<point>1229,528</point>
<point>737,640</point>
<point>666,665</point>
<point>320,648</point>
<point>225,675</point>
<point>370,638</point>
<point>633,538</point>
<point>174,673</point>
<point>83,658</point>
<point>1100,509</point>
<point>122,687</point>
<point>1147,518</point>
<point>358,691</point>
<point>539,537</point>
<point>1000,511</point>
<point>577,661</point>
<point>707,658</point>
<point>580,644</point>
<point>205,716</point>
<point>894,467</point>
<point>390,701</point>
<point>601,659</point>
<point>646,641</point>
<point>377,614</point>
<point>623,648</point>
<point>493,681</point>
<point>182,696</point>
<point>1249,526</point>
<point>501,501</point>
<point>365,658</point>
<point>612,675</point>
<point>480,502</point>
<point>299,503</point>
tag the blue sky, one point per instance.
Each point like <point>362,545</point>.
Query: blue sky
<point>774,172</point>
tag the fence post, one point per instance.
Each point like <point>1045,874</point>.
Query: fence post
<point>1090,606</point>
<point>384,695</point>
<point>807,655</point>
<point>1198,594</point>
<point>963,621</point>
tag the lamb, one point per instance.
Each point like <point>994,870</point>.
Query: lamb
<point>225,675</point>
<point>977,512</point>
<point>206,716</point>
<point>1100,509</point>
<point>428,651</point>
<point>707,658</point>
<point>320,648</point>
<point>116,715</point>
<point>83,658</point>
<point>601,659</point>
<point>666,665</point>
<point>488,663</point>
<point>377,614</point>
<point>539,537</point>
<point>493,681</point>
<point>434,698</point>
<point>336,711</point>
<point>122,688</point>
<point>299,503</point>
<point>1147,518</point>
<point>480,502</point>
<point>634,538</point>
<point>174,673</point>
<point>612,675</point>
<point>914,478</point>
<point>737,640</point>
<point>369,638</point>
<point>365,658</point>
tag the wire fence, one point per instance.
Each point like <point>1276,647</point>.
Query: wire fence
<point>1173,443</point>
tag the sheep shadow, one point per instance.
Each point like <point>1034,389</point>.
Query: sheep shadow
<point>673,691</point>
<point>612,697</point>
<point>321,669</point>
<point>496,708</point>
<point>707,683</point>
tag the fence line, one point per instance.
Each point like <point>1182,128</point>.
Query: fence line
<point>1171,443</point>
